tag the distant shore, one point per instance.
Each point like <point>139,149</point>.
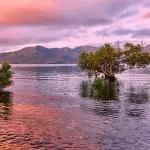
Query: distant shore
<point>42,65</point>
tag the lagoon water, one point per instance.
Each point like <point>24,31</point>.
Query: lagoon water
<point>52,108</point>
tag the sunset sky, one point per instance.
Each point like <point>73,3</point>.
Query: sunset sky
<point>61,23</point>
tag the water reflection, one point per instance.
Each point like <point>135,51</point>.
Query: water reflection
<point>48,80</point>
<point>40,70</point>
<point>117,118</point>
<point>135,99</point>
<point>135,112</point>
<point>100,89</point>
<point>5,105</point>
<point>116,97</point>
<point>105,110</point>
<point>137,96</point>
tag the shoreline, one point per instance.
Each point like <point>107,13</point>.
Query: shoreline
<point>44,65</point>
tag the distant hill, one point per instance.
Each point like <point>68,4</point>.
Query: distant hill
<point>147,48</point>
<point>43,55</point>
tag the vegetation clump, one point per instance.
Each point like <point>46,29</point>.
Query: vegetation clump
<point>108,60</point>
<point>5,75</point>
<point>100,89</point>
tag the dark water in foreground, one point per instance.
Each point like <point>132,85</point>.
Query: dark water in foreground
<point>56,108</point>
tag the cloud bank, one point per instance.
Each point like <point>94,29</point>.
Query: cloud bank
<point>57,22</point>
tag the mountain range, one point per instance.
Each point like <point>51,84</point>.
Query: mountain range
<point>43,55</point>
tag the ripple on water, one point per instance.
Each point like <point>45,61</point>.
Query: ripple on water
<point>54,108</point>
<point>34,127</point>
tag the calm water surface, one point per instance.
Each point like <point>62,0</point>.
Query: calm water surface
<point>56,107</point>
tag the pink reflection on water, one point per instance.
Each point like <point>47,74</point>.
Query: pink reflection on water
<point>40,127</point>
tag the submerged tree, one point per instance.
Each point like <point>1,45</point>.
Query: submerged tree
<point>110,60</point>
<point>5,75</point>
<point>100,89</point>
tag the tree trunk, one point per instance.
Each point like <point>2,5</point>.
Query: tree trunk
<point>110,77</point>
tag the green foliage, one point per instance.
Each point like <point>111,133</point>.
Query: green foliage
<point>5,75</point>
<point>88,62</point>
<point>110,60</point>
<point>135,57</point>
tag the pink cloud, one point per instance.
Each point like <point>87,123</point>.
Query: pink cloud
<point>146,15</point>
<point>27,12</point>
<point>32,12</point>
